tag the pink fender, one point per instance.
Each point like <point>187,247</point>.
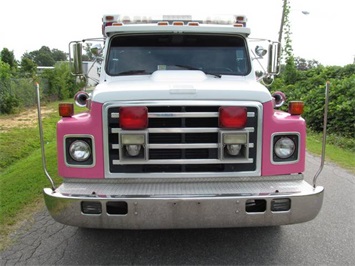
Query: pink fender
<point>275,121</point>
<point>89,123</point>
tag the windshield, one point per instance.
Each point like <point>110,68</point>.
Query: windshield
<point>144,54</point>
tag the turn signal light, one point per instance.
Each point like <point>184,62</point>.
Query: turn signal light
<point>232,117</point>
<point>134,117</point>
<point>66,109</point>
<point>296,107</point>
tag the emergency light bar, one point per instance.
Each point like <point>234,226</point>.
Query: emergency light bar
<point>173,20</point>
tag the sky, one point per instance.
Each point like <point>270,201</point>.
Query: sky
<point>326,34</point>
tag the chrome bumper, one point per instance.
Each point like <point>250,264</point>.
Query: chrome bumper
<point>182,205</point>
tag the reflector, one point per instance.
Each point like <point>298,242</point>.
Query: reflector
<point>134,117</point>
<point>232,116</point>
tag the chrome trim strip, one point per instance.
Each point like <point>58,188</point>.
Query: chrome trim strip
<point>184,146</point>
<point>180,130</point>
<point>183,115</point>
<point>184,161</point>
<point>181,146</point>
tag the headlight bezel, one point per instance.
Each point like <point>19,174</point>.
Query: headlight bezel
<point>69,140</point>
<point>294,156</point>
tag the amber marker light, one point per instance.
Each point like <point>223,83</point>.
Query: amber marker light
<point>163,23</point>
<point>178,23</point>
<point>66,109</point>
<point>109,18</point>
<point>296,107</point>
<point>193,23</point>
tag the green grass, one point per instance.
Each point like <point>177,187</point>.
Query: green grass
<point>344,157</point>
<point>21,174</point>
<point>18,143</point>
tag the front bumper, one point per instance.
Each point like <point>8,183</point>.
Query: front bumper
<point>183,204</point>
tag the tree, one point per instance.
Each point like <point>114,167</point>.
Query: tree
<point>8,101</point>
<point>8,57</point>
<point>28,67</point>
<point>59,55</point>
<point>285,27</point>
<point>45,56</point>
<point>303,64</point>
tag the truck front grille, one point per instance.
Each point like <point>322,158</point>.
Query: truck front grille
<point>181,139</point>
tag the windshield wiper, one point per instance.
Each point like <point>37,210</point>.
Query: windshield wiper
<point>133,72</point>
<point>195,68</point>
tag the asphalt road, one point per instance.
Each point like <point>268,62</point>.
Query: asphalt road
<point>328,240</point>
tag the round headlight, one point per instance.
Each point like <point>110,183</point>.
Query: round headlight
<point>80,150</point>
<point>284,148</point>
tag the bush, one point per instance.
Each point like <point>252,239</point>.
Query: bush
<point>8,102</point>
<point>310,88</point>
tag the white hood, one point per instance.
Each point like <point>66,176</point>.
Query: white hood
<point>180,85</point>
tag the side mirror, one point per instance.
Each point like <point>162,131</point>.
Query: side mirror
<point>260,51</point>
<point>96,50</point>
<point>77,59</point>
<point>273,63</point>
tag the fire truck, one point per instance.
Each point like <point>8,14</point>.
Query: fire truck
<point>180,132</point>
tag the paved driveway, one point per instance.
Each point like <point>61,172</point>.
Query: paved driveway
<point>329,239</point>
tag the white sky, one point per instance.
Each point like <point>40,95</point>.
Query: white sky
<point>327,34</point>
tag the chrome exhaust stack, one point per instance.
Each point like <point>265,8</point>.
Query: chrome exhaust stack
<point>327,86</point>
<point>44,163</point>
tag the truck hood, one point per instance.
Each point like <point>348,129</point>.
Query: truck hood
<point>180,85</point>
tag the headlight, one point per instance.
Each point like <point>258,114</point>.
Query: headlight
<point>79,150</point>
<point>284,148</point>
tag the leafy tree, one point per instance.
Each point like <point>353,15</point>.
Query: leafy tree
<point>88,56</point>
<point>45,56</point>
<point>8,57</point>
<point>59,55</point>
<point>286,28</point>
<point>303,64</point>
<point>8,101</point>
<point>60,82</point>
<point>28,68</point>
<point>5,71</point>
<point>290,74</point>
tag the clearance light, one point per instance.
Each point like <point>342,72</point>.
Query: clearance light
<point>66,109</point>
<point>232,117</point>
<point>134,117</point>
<point>117,24</point>
<point>178,23</point>
<point>109,18</point>
<point>163,23</point>
<point>296,107</point>
<point>192,23</point>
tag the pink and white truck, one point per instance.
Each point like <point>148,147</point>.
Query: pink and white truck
<point>180,133</point>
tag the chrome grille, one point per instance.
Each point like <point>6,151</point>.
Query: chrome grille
<point>182,139</point>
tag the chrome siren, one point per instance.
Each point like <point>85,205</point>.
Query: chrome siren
<point>279,98</point>
<point>81,98</point>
